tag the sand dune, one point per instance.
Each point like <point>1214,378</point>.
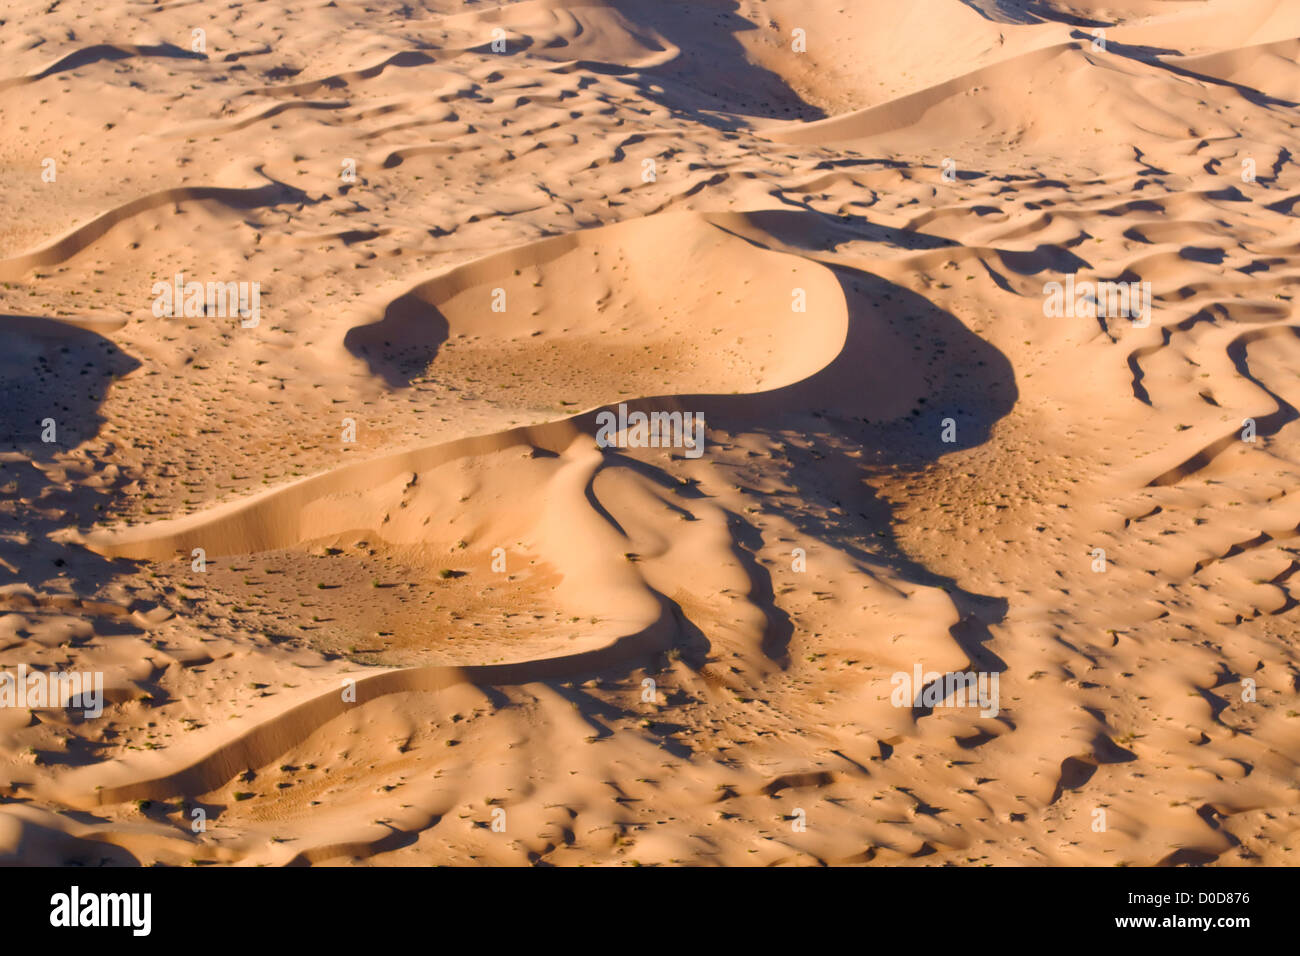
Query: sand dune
<point>364,579</point>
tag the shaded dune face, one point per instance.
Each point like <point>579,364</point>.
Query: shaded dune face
<point>56,376</point>
<point>364,579</point>
<point>56,372</point>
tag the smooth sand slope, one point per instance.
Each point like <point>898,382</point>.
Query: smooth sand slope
<point>438,622</point>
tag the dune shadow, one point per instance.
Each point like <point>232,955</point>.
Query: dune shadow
<point>1153,56</point>
<point>956,373</point>
<point>839,429</point>
<point>1028,12</point>
<point>52,384</point>
<point>101,52</point>
<point>1208,255</point>
<point>830,230</point>
<point>403,343</point>
<point>712,78</point>
<point>968,384</point>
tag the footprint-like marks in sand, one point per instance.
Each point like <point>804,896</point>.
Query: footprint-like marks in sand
<point>711,294</point>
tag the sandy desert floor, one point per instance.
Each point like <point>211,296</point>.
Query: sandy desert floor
<point>475,635</point>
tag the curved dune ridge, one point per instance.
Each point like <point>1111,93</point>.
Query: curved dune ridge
<point>361,582</point>
<point>360,497</point>
<point>664,297</point>
<point>82,236</point>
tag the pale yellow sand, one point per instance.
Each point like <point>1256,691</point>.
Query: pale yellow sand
<point>498,587</point>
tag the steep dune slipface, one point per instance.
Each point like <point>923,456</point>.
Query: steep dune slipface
<point>370,580</point>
